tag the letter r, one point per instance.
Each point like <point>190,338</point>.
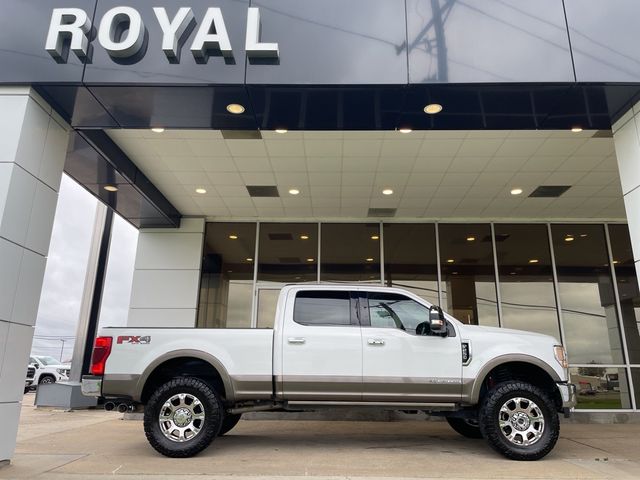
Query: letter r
<point>68,23</point>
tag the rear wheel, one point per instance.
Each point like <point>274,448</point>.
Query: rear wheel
<point>182,417</point>
<point>519,420</point>
<point>467,427</point>
<point>230,421</point>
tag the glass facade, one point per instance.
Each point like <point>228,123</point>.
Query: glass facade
<point>576,282</point>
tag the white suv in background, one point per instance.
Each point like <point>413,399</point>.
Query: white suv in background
<point>48,369</point>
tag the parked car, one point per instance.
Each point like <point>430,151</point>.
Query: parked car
<point>332,346</point>
<point>48,369</point>
<point>31,372</point>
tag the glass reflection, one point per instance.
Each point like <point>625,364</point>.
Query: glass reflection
<point>600,387</point>
<point>227,276</point>
<point>410,260</point>
<point>627,282</point>
<point>468,274</point>
<point>586,294</point>
<point>287,252</point>
<point>350,253</point>
<point>526,278</point>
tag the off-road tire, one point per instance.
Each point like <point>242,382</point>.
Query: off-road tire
<point>489,420</point>
<point>465,427</point>
<point>230,421</point>
<point>211,425</point>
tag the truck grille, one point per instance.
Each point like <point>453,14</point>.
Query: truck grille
<point>31,372</point>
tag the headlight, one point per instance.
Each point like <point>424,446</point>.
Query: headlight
<point>61,371</point>
<point>561,355</point>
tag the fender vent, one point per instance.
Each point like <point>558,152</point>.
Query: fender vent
<point>466,353</point>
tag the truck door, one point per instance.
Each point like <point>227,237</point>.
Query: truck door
<point>400,365</point>
<point>322,347</point>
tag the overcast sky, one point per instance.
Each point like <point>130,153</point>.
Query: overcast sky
<point>66,268</point>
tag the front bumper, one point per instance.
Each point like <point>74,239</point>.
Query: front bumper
<point>91,386</point>
<point>569,395</point>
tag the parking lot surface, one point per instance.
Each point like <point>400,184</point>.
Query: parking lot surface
<point>94,444</point>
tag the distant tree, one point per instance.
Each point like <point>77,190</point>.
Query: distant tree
<point>592,371</point>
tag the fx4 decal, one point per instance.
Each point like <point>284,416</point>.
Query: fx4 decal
<point>135,339</point>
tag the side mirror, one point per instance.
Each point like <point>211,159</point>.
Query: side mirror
<point>437,322</point>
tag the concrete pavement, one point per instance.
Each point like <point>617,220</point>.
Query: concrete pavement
<point>98,445</point>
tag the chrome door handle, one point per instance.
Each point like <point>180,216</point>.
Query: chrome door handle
<point>296,340</point>
<point>375,341</point>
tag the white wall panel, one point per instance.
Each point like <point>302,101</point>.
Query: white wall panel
<point>169,251</point>
<point>165,288</point>
<point>14,366</point>
<point>159,317</point>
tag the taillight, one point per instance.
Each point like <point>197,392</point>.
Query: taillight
<point>101,351</point>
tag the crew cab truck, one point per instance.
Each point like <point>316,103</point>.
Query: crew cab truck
<point>331,346</point>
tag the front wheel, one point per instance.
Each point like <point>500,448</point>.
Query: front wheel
<point>182,417</point>
<point>519,421</point>
<point>466,427</point>
<point>46,379</point>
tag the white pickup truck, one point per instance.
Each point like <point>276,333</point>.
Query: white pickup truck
<point>331,346</point>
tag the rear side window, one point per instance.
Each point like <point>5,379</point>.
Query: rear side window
<point>322,307</point>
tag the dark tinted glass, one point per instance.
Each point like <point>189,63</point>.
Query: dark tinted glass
<point>586,294</point>
<point>322,308</point>
<point>350,252</point>
<point>627,281</point>
<point>410,258</point>
<point>226,285</point>
<point>468,273</point>
<point>526,278</point>
<point>287,252</point>
<point>389,310</point>
<point>600,387</point>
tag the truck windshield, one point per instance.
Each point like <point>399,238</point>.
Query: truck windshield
<point>49,361</point>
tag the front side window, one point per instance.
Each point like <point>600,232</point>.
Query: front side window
<point>329,308</point>
<point>390,310</point>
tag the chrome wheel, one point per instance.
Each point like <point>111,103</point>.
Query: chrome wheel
<point>181,417</point>
<point>521,421</point>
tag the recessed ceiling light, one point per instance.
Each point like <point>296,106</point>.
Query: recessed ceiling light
<point>249,259</point>
<point>582,235</point>
<point>309,259</point>
<point>304,237</point>
<point>201,191</point>
<point>157,129</point>
<point>569,238</point>
<point>369,259</point>
<point>450,260</point>
<point>375,237</point>
<point>235,108</point>
<point>110,188</point>
<point>615,262</point>
<point>294,191</point>
<point>516,191</point>
<point>433,108</point>
<point>471,239</point>
<point>576,129</point>
<point>387,191</point>
<point>534,260</point>
<point>281,130</point>
<point>405,130</point>
<point>233,237</point>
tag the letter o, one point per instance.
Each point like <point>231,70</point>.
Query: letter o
<point>132,41</point>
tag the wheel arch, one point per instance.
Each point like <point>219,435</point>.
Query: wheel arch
<point>544,374</point>
<point>141,391</point>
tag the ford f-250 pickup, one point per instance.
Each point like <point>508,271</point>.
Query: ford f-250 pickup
<point>332,346</point>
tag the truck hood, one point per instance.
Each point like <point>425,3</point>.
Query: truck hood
<point>471,329</point>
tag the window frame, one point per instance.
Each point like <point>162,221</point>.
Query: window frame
<point>354,320</point>
<point>365,318</point>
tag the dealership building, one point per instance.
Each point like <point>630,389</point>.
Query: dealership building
<point>484,154</point>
